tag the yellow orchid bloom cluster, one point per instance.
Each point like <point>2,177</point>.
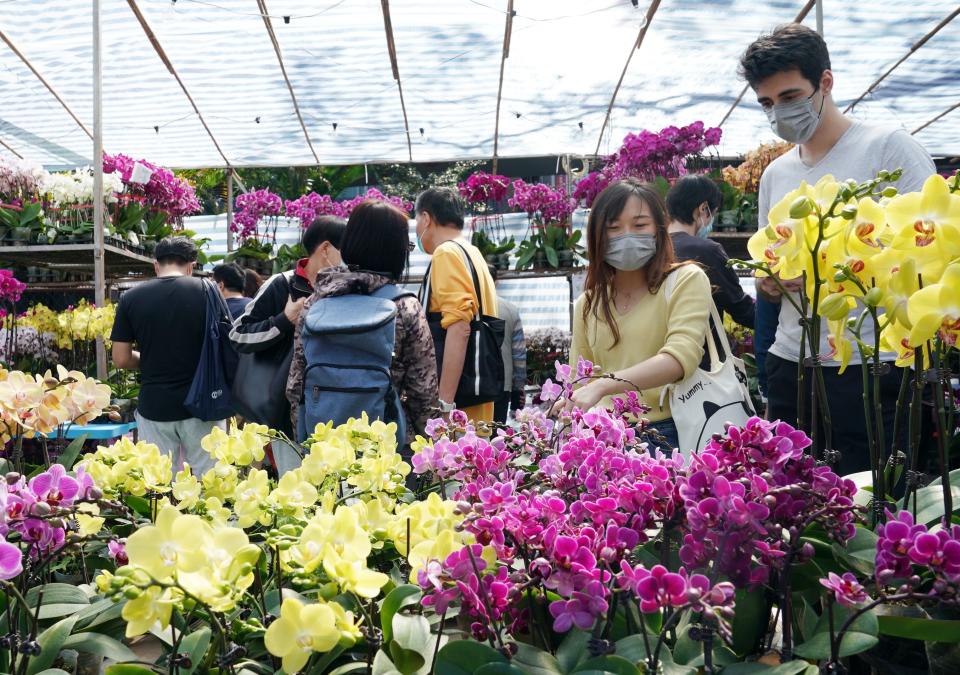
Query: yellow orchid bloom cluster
<point>81,323</point>
<point>129,468</point>
<point>303,629</point>
<point>899,254</point>
<point>39,404</point>
<point>181,556</point>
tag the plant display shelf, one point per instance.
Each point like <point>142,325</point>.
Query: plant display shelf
<point>117,261</point>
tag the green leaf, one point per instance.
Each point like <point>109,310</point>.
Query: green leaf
<point>399,597</point>
<point>498,669</point>
<point>572,650</point>
<point>100,645</point>
<point>57,594</point>
<point>138,504</point>
<point>407,661</point>
<point>633,648</point>
<point>348,668</point>
<point>535,661</point>
<point>953,478</point>
<point>919,628</point>
<point>860,552</point>
<point>861,636</point>
<point>749,622</point>
<point>412,632</point>
<point>686,650</point>
<point>463,657</point>
<point>551,254</point>
<point>930,503</point>
<point>51,642</point>
<point>608,664</point>
<point>72,451</point>
<point>195,644</point>
<point>53,611</point>
<point>797,667</point>
<point>53,671</point>
<point>128,669</point>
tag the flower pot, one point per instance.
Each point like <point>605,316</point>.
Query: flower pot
<point>565,258</point>
<point>21,235</point>
<point>491,259</point>
<point>503,261</point>
<point>540,260</point>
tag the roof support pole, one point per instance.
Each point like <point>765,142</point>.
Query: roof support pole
<point>917,45</point>
<point>940,116</point>
<point>504,55</point>
<point>17,154</point>
<point>820,17</point>
<point>283,70</point>
<point>26,62</point>
<point>229,210</point>
<point>155,43</point>
<point>99,273</point>
<point>392,49</point>
<point>651,10</point>
<point>800,17</point>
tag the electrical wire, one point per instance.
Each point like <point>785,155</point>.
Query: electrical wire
<point>281,17</point>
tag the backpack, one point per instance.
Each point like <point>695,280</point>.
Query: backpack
<point>209,396</point>
<point>348,345</point>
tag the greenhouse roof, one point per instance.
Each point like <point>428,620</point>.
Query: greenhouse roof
<point>211,87</point>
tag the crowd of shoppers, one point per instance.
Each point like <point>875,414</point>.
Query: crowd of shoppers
<point>643,319</point>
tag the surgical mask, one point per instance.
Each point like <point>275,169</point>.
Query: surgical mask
<point>795,121</point>
<point>704,232</point>
<point>420,244</point>
<point>630,252</point>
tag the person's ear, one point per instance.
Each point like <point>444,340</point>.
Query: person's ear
<point>156,268</point>
<point>826,82</point>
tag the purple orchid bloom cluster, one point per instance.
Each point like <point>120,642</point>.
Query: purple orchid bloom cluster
<point>904,545</point>
<point>163,192</point>
<point>311,206</point>
<point>251,207</point>
<point>552,204</point>
<point>32,511</point>
<point>647,155</point>
<point>564,505</point>
<point>11,288</point>
<point>481,187</point>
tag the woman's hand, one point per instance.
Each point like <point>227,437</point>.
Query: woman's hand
<point>585,397</point>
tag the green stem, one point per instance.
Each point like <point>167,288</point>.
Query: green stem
<point>941,418</point>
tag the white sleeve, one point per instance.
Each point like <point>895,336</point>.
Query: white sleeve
<point>763,201</point>
<point>903,151</point>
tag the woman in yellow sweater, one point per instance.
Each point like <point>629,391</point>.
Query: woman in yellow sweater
<point>624,322</point>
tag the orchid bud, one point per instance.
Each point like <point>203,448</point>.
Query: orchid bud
<point>801,207</point>
<point>51,382</point>
<point>12,478</point>
<point>40,509</point>
<point>835,307</point>
<point>883,174</point>
<point>131,592</point>
<point>93,492</point>
<point>807,550</point>
<point>873,297</point>
<point>849,212</point>
<point>889,191</point>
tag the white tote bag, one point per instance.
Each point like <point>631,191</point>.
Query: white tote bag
<point>704,402</point>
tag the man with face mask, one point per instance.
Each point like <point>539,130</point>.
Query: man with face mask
<point>790,72</point>
<point>693,203</point>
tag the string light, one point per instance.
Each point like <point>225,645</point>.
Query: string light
<point>156,128</point>
<point>257,119</point>
<point>286,18</point>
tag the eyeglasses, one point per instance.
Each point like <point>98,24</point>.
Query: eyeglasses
<point>411,246</point>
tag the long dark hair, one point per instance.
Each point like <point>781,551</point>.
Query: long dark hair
<point>377,239</point>
<point>599,283</point>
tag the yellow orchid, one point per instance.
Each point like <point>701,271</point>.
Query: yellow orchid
<point>935,310</point>
<point>88,518</point>
<point>329,457</point>
<point>240,447</point>
<point>221,481</point>
<point>250,499</point>
<point>300,631</point>
<point>841,349</point>
<point>896,339</point>
<point>186,489</point>
<point>928,226</point>
<point>341,532</point>
<point>132,468</point>
<point>20,392</point>
<point>445,544</point>
<point>214,511</point>
<point>352,575</point>
<point>152,607</point>
<point>159,549</point>
<point>294,494</point>
<point>427,519</point>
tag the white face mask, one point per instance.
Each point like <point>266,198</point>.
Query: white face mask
<point>795,121</point>
<point>630,252</point>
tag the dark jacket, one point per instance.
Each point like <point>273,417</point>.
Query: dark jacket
<point>727,292</point>
<point>414,369</point>
<point>263,325</point>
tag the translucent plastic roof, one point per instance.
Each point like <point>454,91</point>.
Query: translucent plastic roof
<point>564,62</point>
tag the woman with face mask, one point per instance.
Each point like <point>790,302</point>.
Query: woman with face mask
<point>624,322</point>
<point>693,203</point>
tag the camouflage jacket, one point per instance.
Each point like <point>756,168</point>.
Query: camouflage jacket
<point>414,369</point>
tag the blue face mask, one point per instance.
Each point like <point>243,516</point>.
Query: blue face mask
<point>704,232</point>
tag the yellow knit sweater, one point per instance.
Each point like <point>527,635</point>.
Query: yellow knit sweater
<point>652,326</point>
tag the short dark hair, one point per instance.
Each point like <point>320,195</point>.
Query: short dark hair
<point>690,192</point>
<point>377,239</point>
<point>230,275</point>
<point>791,46</point>
<point>443,204</point>
<point>324,228</point>
<point>176,251</point>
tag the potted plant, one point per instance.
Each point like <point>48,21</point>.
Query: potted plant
<point>23,222</point>
<point>255,224</point>
<point>495,254</point>
<point>567,246</point>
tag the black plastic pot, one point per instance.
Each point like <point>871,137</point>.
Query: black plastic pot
<point>565,258</point>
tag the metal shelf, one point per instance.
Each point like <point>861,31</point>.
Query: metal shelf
<point>117,261</point>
